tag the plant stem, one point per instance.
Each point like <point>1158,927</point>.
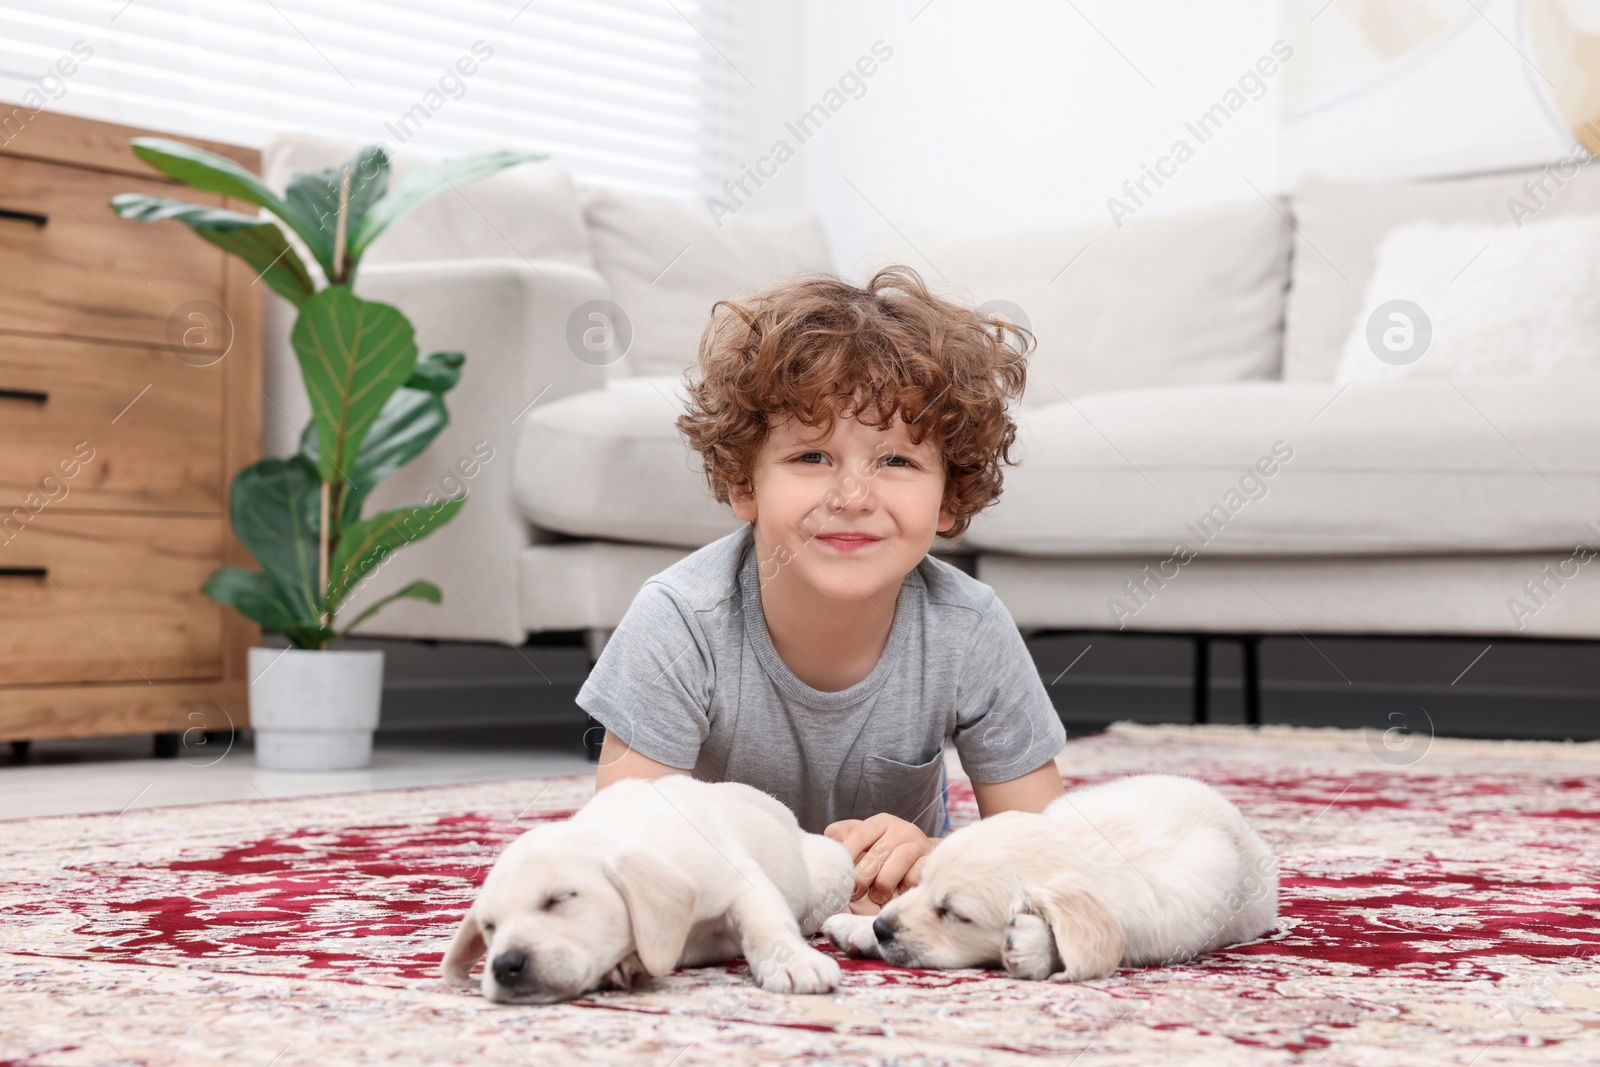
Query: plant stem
<point>324,531</point>
<point>322,552</point>
<point>339,226</point>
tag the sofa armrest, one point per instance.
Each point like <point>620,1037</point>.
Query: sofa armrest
<point>510,318</point>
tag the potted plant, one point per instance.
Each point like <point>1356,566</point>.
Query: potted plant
<point>375,407</point>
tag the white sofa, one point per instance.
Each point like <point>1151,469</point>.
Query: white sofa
<point>1173,355</point>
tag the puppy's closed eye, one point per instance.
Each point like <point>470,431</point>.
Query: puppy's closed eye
<point>944,912</point>
<point>556,898</point>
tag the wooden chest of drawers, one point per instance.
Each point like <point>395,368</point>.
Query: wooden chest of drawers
<point>129,394</point>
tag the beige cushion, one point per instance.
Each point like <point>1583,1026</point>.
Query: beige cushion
<point>1487,301</point>
<point>1495,464</point>
<point>530,211</point>
<point>668,263</point>
<point>1187,298</point>
<point>583,585</point>
<point>1339,224</point>
<point>610,463</point>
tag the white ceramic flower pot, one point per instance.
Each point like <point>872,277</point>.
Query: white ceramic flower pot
<point>314,710</point>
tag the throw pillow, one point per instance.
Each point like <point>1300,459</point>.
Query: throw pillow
<point>1464,299</point>
<point>668,262</point>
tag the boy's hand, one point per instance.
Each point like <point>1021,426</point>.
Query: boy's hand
<point>888,853</point>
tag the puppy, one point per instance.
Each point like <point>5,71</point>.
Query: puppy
<point>648,876</point>
<point>1148,869</point>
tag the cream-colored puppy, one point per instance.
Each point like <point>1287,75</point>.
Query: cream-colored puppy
<point>648,876</point>
<point>1148,869</point>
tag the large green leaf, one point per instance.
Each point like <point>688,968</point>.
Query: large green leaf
<point>426,182</point>
<point>415,591</point>
<point>365,544</point>
<point>275,508</point>
<point>404,428</point>
<point>315,194</point>
<point>353,355</point>
<point>257,241</point>
<point>437,372</point>
<point>218,174</point>
<point>255,597</point>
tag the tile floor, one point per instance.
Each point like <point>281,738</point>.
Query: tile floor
<point>61,778</point>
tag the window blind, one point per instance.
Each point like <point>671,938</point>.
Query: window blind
<point>636,94</point>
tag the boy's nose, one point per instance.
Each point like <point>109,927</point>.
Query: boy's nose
<point>852,488</point>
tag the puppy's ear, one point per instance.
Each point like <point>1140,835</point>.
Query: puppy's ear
<point>463,952</point>
<point>661,901</point>
<point>1088,937</point>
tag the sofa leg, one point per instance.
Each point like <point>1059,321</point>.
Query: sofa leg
<point>594,735</point>
<point>1252,679</point>
<point>1202,678</point>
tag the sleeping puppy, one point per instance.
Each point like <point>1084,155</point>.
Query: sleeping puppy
<point>648,876</point>
<point>1148,869</point>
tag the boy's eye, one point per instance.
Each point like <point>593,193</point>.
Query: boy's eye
<point>902,459</point>
<point>807,456</point>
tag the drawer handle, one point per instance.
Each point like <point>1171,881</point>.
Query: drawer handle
<point>24,216</point>
<point>30,395</point>
<point>24,572</point>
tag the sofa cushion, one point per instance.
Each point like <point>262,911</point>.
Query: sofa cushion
<point>668,262</point>
<point>1492,464</point>
<point>1493,301</point>
<point>610,463</point>
<point>1193,297</point>
<point>530,211</point>
<point>1338,226</point>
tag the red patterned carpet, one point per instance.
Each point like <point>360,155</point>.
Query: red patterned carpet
<point>1437,908</point>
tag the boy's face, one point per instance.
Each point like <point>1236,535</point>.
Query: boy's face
<point>853,510</point>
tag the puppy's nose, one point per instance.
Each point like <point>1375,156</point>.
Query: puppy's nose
<point>882,930</point>
<point>510,966</point>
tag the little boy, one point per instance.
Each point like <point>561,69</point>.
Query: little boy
<point>819,652</point>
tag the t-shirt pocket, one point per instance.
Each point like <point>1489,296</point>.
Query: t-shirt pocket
<point>912,791</point>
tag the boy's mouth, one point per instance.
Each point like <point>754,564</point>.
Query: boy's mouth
<point>848,542</point>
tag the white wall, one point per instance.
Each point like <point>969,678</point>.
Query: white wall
<point>1438,88</point>
<point>1011,113</point>
<point>771,73</point>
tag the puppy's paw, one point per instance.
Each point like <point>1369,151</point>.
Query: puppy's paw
<point>625,974</point>
<point>807,971</point>
<point>1030,951</point>
<point>851,934</point>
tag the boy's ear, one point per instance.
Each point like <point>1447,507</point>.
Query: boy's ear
<point>743,501</point>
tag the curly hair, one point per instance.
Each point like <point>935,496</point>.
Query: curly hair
<point>810,346</point>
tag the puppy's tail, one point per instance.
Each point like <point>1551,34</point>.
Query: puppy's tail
<point>832,877</point>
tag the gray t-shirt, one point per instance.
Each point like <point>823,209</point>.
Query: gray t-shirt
<point>690,679</point>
